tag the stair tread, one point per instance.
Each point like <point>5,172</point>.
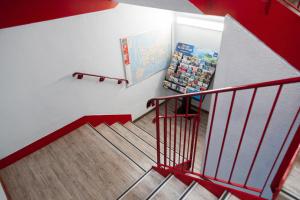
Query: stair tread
<point>144,187</point>
<point>282,196</point>
<point>286,194</point>
<point>198,192</point>
<point>172,189</point>
<point>143,134</point>
<point>138,142</point>
<point>151,141</point>
<point>124,146</point>
<point>79,165</point>
<point>231,197</point>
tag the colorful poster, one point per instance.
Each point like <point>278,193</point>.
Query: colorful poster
<point>146,54</point>
<point>191,69</point>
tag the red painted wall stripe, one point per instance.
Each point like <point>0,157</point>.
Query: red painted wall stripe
<point>20,12</point>
<point>94,120</point>
<point>279,28</point>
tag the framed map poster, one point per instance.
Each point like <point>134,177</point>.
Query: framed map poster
<point>146,54</point>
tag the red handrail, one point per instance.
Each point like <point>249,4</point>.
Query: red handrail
<point>188,127</point>
<point>101,77</point>
<point>229,89</point>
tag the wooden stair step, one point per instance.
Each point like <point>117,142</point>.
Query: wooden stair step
<point>136,155</point>
<point>286,194</point>
<point>144,186</point>
<point>198,192</point>
<point>228,196</point>
<point>135,140</point>
<point>79,165</point>
<point>170,190</point>
<point>141,133</point>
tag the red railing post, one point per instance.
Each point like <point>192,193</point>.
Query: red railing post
<point>175,134</point>
<point>157,132</point>
<point>189,138</point>
<point>180,140</point>
<point>165,133</point>
<point>197,132</point>
<point>225,133</point>
<point>263,134</point>
<point>243,133</point>
<point>170,140</point>
<point>280,150</point>
<point>286,165</point>
<point>210,131</point>
<point>193,138</point>
<point>185,129</point>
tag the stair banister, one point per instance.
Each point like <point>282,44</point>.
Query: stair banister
<point>188,127</point>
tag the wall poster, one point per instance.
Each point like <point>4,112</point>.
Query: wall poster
<point>146,54</point>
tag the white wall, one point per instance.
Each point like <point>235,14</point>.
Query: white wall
<point>2,194</point>
<point>201,38</point>
<point>175,5</point>
<point>38,94</point>
<point>244,59</point>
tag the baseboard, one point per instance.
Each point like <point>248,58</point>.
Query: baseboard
<point>94,120</point>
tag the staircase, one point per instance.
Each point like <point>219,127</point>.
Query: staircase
<point>122,161</point>
<point>128,151</point>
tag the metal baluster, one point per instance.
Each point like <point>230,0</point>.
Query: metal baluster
<point>170,144</point>
<point>210,131</point>
<point>197,132</point>
<point>165,133</point>
<point>185,128</point>
<point>243,133</point>
<point>157,132</point>
<point>280,150</point>
<point>175,134</point>
<point>263,134</point>
<point>225,133</point>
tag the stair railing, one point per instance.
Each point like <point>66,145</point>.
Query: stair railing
<point>80,75</point>
<point>177,132</point>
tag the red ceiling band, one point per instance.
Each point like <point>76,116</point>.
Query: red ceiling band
<point>20,12</point>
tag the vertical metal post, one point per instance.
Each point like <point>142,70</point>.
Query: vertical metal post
<point>243,133</point>
<point>175,134</point>
<point>263,134</point>
<point>165,133</point>
<point>157,132</point>
<point>225,133</point>
<point>280,150</point>
<point>210,131</point>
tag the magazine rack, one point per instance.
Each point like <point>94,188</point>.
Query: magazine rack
<point>191,70</point>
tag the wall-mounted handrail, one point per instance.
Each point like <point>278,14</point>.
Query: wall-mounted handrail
<point>178,133</point>
<point>80,75</point>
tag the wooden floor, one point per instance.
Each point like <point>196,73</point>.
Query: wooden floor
<point>76,166</point>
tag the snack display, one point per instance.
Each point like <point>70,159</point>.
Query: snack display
<point>190,70</point>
